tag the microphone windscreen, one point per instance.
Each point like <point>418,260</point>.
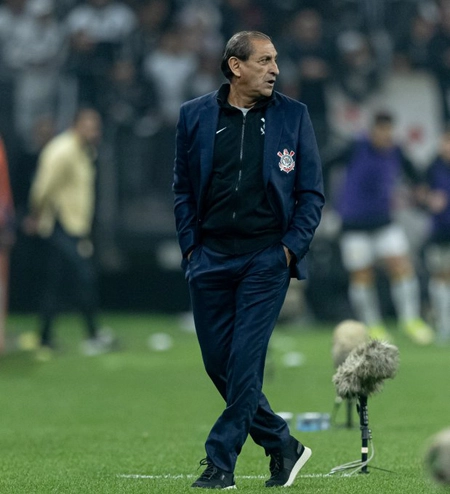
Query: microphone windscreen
<point>347,335</point>
<point>437,458</point>
<point>365,369</point>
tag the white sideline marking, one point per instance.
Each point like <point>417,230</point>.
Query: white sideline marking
<point>167,476</point>
<point>189,476</point>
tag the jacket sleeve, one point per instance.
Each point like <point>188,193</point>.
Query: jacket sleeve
<point>309,196</point>
<point>185,204</point>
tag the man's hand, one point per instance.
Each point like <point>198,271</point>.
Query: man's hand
<point>288,255</point>
<point>30,225</point>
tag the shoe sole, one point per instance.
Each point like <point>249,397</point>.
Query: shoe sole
<point>298,466</point>
<point>221,488</point>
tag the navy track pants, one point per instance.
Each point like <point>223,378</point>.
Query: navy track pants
<point>236,301</point>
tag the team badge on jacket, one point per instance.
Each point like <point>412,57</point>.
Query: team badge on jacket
<point>286,164</point>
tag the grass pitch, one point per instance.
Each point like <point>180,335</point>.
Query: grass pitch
<point>135,421</point>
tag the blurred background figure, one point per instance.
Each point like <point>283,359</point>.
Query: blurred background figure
<point>309,55</point>
<point>201,22</point>
<point>153,18</point>
<point>240,15</point>
<point>131,116</point>
<point>437,250</point>
<point>375,165</point>
<point>356,67</point>
<point>439,52</point>
<point>136,61</point>
<point>62,202</point>
<point>12,16</point>
<point>37,56</point>
<point>6,240</point>
<point>97,30</point>
<point>171,56</point>
<point>413,48</point>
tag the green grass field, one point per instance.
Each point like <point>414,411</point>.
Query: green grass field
<point>135,421</point>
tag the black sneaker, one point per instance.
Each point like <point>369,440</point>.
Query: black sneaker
<point>214,478</point>
<point>286,463</point>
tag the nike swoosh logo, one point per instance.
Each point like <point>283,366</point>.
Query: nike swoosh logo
<point>220,130</point>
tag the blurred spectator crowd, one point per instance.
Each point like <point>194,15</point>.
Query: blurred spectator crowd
<point>136,61</point>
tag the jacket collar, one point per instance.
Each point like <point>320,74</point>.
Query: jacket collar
<point>209,117</point>
<point>224,91</point>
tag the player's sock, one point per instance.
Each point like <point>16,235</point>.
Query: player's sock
<point>364,301</point>
<point>440,300</point>
<point>406,298</point>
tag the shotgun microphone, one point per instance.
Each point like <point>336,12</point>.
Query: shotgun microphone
<point>365,369</point>
<point>361,375</point>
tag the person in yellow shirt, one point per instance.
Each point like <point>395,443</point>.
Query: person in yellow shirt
<point>62,203</point>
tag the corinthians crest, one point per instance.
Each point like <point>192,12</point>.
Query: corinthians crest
<point>286,164</point>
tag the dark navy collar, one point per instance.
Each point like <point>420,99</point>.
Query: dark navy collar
<point>224,91</point>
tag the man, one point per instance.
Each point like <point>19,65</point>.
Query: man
<point>437,250</point>
<point>248,198</point>
<point>375,165</point>
<point>62,201</point>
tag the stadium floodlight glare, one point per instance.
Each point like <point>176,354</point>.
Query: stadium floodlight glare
<point>361,375</point>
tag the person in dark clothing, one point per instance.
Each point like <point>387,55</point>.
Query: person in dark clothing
<point>437,248</point>
<point>439,60</point>
<point>311,57</point>
<point>374,167</point>
<point>248,198</point>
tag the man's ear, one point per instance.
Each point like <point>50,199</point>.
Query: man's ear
<point>235,66</point>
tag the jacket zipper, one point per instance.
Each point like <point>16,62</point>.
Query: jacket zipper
<point>241,155</point>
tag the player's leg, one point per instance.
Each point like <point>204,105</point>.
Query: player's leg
<point>392,247</point>
<point>358,259</point>
<point>78,265</point>
<point>50,299</point>
<point>86,292</point>
<point>437,258</point>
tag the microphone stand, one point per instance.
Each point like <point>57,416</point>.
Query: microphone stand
<point>349,411</point>
<point>365,431</point>
<point>349,423</point>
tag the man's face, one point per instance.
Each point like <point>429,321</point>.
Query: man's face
<point>256,76</point>
<point>382,135</point>
<point>89,127</point>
